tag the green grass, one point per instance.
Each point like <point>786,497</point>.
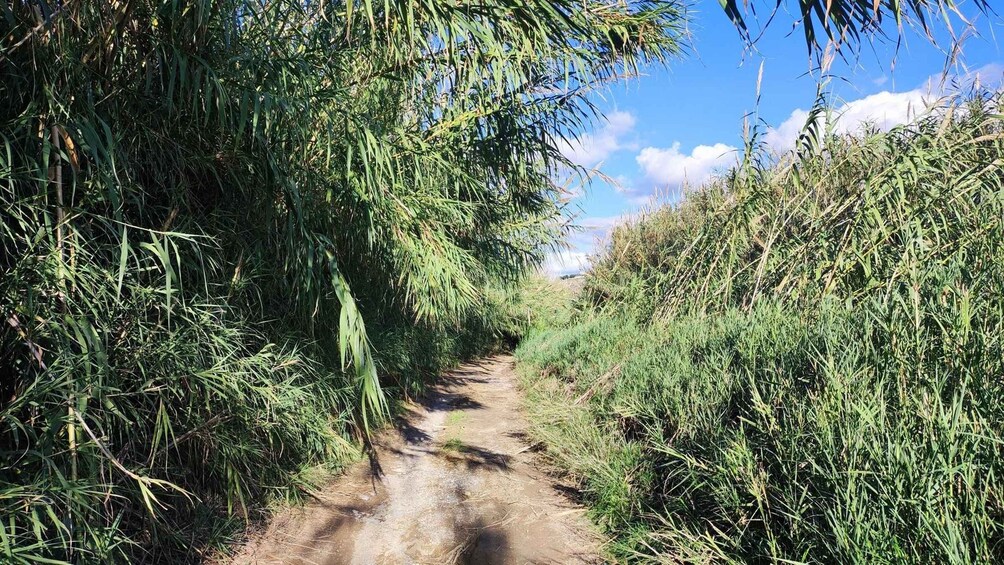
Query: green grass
<point>800,363</point>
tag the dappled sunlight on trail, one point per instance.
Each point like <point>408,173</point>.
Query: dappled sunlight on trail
<point>455,482</point>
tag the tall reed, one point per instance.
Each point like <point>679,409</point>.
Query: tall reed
<point>231,229</point>
<point>801,361</point>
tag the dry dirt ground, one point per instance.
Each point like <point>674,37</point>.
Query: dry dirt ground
<point>456,482</point>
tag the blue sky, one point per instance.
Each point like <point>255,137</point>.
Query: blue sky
<point>675,126</point>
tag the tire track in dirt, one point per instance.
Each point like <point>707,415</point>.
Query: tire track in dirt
<point>457,484</point>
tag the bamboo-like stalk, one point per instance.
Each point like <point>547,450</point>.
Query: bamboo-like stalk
<point>56,181</point>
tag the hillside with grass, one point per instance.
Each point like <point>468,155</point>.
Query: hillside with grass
<point>799,362</point>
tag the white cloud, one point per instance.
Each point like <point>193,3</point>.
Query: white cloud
<point>884,110</point>
<point>590,149</point>
<point>783,137</point>
<point>566,263</point>
<point>674,168</point>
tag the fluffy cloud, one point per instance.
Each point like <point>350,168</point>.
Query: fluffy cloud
<point>590,149</point>
<point>884,110</point>
<point>674,168</point>
<point>566,263</point>
<point>783,137</point>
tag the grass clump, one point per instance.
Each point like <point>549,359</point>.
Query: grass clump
<point>800,362</point>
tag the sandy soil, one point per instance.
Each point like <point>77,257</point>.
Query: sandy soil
<point>454,483</point>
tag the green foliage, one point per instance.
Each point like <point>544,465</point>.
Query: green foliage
<point>843,24</point>
<point>230,227</point>
<point>800,362</point>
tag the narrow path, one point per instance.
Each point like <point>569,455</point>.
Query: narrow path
<point>459,485</point>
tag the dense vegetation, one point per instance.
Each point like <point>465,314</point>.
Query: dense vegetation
<point>230,228</point>
<point>800,362</point>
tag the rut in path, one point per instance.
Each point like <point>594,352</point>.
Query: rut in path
<point>457,484</point>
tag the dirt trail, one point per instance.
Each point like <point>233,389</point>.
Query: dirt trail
<point>458,485</point>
